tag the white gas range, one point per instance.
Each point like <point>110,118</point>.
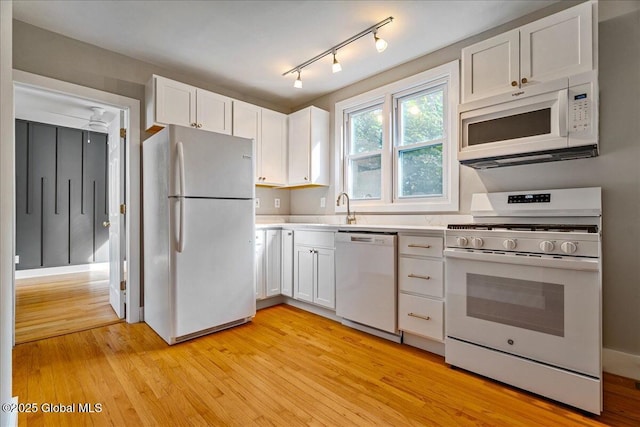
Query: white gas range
<point>523,293</point>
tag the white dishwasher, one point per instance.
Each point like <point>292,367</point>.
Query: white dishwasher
<point>366,290</point>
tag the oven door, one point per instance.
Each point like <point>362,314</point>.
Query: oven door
<point>541,308</point>
<point>532,123</point>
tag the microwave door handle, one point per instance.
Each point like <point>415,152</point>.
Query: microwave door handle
<point>563,116</point>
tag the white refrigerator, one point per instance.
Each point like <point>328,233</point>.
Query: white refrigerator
<point>199,230</point>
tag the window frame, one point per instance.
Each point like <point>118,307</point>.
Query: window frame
<point>389,202</point>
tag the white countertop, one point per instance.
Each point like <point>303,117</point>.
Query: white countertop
<point>352,227</point>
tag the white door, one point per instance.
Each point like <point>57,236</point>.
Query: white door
<point>287,263</point>
<point>214,263</point>
<point>175,103</point>
<point>491,66</point>
<point>211,164</point>
<point>299,143</point>
<point>247,124</point>
<point>116,222</point>
<point>213,112</point>
<point>273,143</point>
<point>303,273</point>
<point>260,264</point>
<point>273,263</point>
<point>325,280</point>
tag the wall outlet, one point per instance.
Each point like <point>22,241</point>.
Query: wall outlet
<point>276,203</point>
<point>323,202</point>
<point>257,202</point>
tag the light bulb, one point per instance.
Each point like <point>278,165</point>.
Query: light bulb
<point>298,83</point>
<point>381,44</point>
<point>336,67</point>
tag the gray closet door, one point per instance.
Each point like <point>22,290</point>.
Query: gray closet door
<point>61,196</point>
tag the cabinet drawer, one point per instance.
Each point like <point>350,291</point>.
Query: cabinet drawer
<point>314,238</point>
<point>420,245</point>
<point>421,316</point>
<point>421,276</point>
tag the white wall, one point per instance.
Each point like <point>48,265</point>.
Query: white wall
<point>6,208</point>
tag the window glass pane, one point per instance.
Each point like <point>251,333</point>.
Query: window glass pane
<point>365,177</point>
<point>366,131</point>
<point>421,117</point>
<point>420,171</point>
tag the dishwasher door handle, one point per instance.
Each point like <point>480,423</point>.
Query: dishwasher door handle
<point>362,239</point>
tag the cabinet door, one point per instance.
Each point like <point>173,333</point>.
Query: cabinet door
<point>557,46</point>
<point>246,124</point>
<point>273,263</point>
<point>175,102</point>
<point>213,111</point>
<point>287,263</point>
<point>303,273</point>
<point>273,148</point>
<point>325,284</point>
<point>260,265</point>
<point>299,144</point>
<point>491,66</point>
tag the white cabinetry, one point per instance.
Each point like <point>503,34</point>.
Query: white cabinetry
<point>314,268</point>
<point>309,147</point>
<point>557,46</point>
<point>268,263</point>
<point>421,286</point>
<point>287,263</point>
<point>269,131</point>
<point>171,102</point>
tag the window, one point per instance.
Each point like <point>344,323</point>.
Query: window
<point>364,152</point>
<point>398,144</point>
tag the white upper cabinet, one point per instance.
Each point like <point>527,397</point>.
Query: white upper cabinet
<point>309,147</point>
<point>557,46</point>
<point>170,102</point>
<point>273,149</point>
<point>269,130</point>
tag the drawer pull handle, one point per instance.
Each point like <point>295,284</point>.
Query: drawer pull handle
<point>417,276</point>
<point>420,316</point>
<point>415,245</point>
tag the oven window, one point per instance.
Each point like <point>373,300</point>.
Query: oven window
<point>536,306</point>
<point>514,126</point>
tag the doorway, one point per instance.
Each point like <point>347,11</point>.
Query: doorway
<point>68,192</point>
<point>124,215</point>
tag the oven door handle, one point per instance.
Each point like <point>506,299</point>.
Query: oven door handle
<point>581,264</point>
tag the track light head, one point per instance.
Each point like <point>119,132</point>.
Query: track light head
<point>381,44</point>
<point>336,67</point>
<point>298,83</point>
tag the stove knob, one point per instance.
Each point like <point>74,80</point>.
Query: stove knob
<point>477,242</point>
<point>547,246</point>
<point>462,241</point>
<point>568,247</point>
<point>509,244</point>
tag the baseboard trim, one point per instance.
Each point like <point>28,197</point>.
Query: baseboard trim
<point>619,363</point>
<point>67,269</point>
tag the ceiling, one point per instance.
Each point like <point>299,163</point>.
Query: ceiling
<point>245,46</point>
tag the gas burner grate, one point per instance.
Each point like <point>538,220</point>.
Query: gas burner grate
<point>527,227</point>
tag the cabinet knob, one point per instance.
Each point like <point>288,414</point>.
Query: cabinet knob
<point>524,80</point>
<point>194,125</point>
<point>199,125</point>
<point>514,83</point>
<point>306,178</point>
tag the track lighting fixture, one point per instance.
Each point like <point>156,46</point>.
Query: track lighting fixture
<point>336,67</point>
<point>381,45</point>
<point>298,83</point>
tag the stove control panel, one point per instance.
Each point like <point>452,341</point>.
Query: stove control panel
<point>529,198</point>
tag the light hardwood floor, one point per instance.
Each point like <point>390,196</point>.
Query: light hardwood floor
<point>287,367</point>
<point>56,305</point>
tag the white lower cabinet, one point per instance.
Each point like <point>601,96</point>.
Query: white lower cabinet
<point>314,278</point>
<point>268,263</point>
<point>421,286</point>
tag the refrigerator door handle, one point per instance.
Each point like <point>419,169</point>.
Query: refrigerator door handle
<point>180,198</point>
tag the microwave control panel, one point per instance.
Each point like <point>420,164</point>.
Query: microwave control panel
<point>580,108</point>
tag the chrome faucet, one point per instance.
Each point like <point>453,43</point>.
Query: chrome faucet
<point>351,219</point>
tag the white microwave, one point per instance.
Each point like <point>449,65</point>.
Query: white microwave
<point>544,122</point>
